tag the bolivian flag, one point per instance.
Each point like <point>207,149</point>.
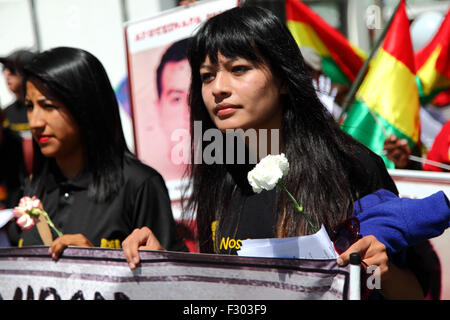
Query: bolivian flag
<point>388,100</point>
<point>433,63</point>
<point>340,60</point>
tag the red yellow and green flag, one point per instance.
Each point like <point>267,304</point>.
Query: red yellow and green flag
<point>341,61</point>
<point>433,63</point>
<point>388,100</point>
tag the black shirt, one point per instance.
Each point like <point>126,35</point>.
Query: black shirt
<point>252,215</point>
<point>143,200</point>
<point>12,168</point>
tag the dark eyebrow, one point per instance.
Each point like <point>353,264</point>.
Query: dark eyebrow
<point>227,62</point>
<point>45,99</point>
<point>42,100</point>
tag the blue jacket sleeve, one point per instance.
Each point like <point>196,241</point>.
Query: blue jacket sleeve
<point>402,222</point>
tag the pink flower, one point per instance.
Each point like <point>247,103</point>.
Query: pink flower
<point>27,212</point>
<point>25,222</point>
<point>29,204</point>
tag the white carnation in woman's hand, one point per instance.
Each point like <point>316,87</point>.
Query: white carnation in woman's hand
<point>268,172</point>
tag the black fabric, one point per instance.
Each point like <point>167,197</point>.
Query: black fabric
<point>377,175</point>
<point>424,262</point>
<point>12,169</point>
<point>252,216</point>
<point>248,217</point>
<point>16,116</point>
<point>143,200</point>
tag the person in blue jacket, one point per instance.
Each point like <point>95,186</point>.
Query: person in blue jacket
<point>400,224</point>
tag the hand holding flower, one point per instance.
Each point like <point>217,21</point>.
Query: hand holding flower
<point>28,212</point>
<point>268,173</point>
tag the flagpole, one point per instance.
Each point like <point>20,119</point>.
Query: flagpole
<point>359,78</point>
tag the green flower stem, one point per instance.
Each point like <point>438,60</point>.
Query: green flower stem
<point>299,207</point>
<point>50,223</point>
<point>37,211</point>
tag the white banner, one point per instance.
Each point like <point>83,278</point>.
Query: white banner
<point>93,273</point>
<point>420,184</point>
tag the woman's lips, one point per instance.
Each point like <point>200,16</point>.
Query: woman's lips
<point>223,110</point>
<point>43,139</point>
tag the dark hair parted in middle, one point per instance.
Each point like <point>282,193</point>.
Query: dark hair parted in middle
<point>319,152</point>
<point>78,79</point>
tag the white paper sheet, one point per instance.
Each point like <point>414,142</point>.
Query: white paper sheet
<point>315,246</point>
<point>5,216</point>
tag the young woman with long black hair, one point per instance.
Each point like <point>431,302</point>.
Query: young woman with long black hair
<point>94,190</point>
<point>248,73</point>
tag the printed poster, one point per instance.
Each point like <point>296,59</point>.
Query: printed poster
<point>159,78</point>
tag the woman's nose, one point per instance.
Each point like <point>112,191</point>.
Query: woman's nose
<point>7,73</point>
<point>221,88</point>
<point>35,118</point>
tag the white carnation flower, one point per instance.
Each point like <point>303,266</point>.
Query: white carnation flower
<point>268,172</point>
<point>25,222</point>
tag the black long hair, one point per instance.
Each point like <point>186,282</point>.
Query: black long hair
<point>78,79</point>
<point>319,152</point>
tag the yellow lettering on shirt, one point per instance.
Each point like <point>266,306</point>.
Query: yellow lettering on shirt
<point>225,243</point>
<point>230,243</point>
<point>110,244</point>
<point>213,229</point>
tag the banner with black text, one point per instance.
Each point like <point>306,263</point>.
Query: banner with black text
<point>97,274</point>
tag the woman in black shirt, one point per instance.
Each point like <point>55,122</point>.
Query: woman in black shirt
<point>94,190</point>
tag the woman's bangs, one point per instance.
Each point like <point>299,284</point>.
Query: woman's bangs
<point>230,41</point>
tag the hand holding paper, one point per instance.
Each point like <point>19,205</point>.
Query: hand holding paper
<point>315,246</point>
